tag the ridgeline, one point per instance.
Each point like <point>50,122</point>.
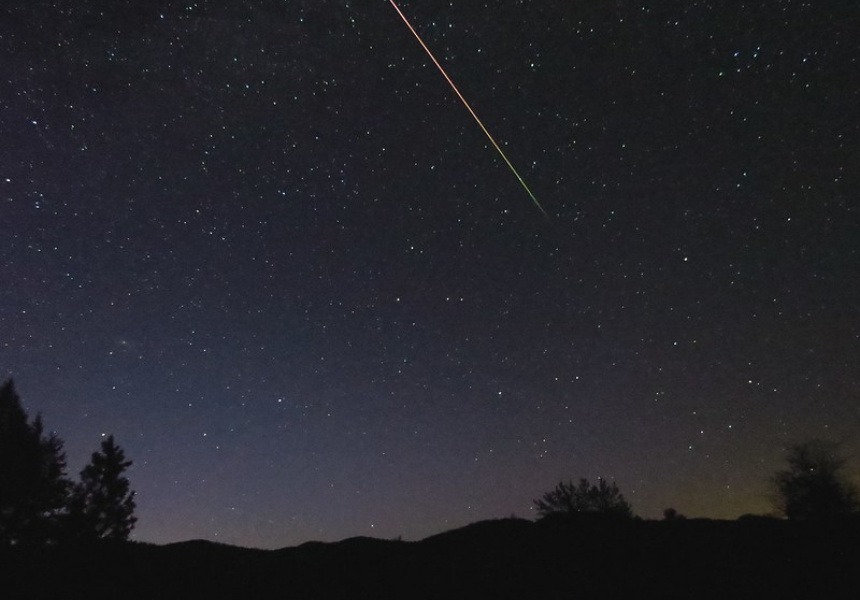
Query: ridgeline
<point>572,558</point>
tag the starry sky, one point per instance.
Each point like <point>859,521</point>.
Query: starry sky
<point>265,246</point>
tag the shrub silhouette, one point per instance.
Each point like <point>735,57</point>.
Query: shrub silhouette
<point>584,497</point>
<point>814,487</point>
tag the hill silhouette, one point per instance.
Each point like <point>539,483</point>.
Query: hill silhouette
<point>509,558</point>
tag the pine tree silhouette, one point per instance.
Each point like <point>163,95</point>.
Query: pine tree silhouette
<point>33,485</point>
<point>103,504</point>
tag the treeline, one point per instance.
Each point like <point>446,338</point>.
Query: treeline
<point>39,504</point>
<point>814,487</point>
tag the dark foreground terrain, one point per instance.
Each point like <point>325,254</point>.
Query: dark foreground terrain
<point>511,558</point>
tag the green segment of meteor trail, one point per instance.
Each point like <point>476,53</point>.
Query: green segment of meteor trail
<point>469,108</point>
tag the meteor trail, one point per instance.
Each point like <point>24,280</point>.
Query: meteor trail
<point>469,108</point>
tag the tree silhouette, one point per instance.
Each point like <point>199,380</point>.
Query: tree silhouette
<point>814,487</point>
<point>33,486</point>
<point>583,497</point>
<point>103,505</point>
<point>670,514</point>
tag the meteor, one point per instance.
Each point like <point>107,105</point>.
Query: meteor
<point>469,108</point>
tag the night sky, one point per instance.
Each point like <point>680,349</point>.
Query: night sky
<point>265,246</point>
